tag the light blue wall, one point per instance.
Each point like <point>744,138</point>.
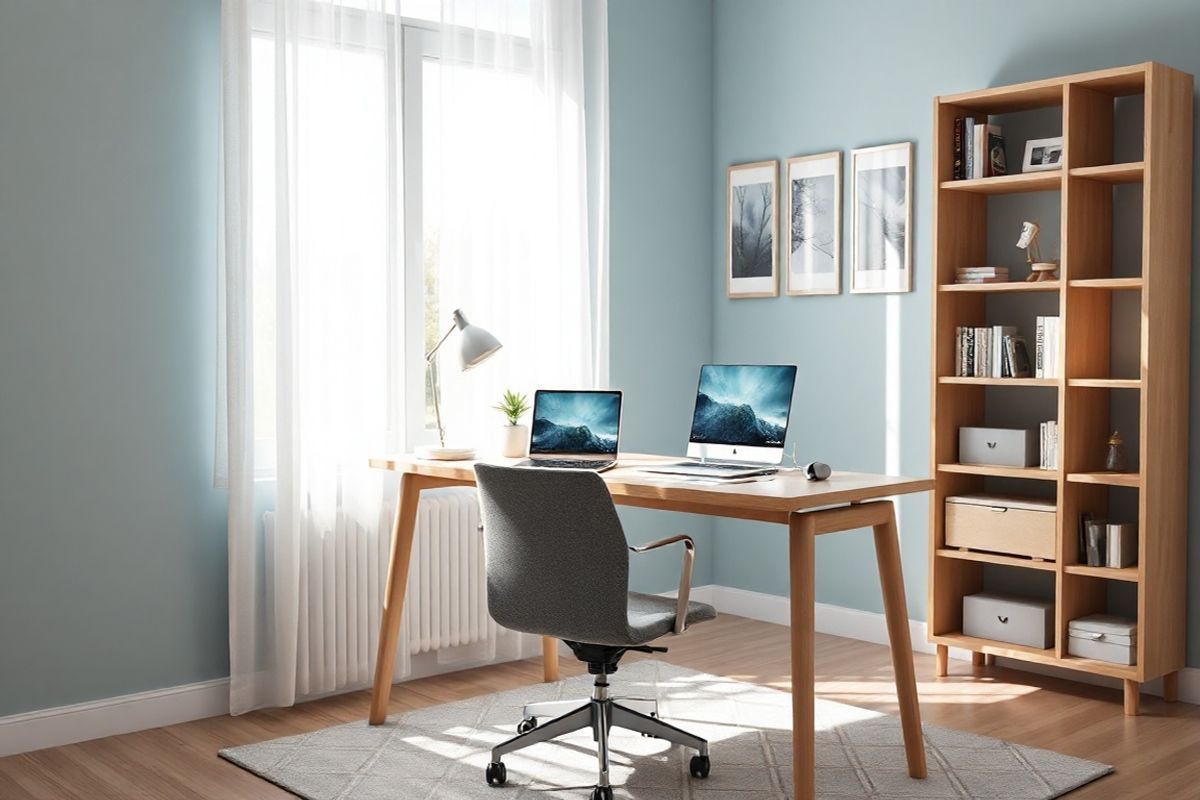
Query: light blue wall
<point>112,539</point>
<point>794,78</point>
<point>660,73</point>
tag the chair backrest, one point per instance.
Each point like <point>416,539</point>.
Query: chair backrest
<point>557,558</point>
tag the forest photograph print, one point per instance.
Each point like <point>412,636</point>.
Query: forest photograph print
<point>751,253</point>
<point>882,180</point>
<point>814,202</point>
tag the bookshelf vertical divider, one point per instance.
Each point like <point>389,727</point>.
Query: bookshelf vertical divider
<point>1085,289</point>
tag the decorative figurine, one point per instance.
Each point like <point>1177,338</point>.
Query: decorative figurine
<point>1115,460</point>
<point>1039,270</point>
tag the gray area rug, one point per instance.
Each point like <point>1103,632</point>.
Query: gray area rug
<point>440,752</point>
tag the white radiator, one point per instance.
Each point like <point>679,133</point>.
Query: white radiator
<point>341,576</point>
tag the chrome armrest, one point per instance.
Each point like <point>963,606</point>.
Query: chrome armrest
<point>685,576</point>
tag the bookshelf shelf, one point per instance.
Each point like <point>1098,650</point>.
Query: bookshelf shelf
<point>1129,479</point>
<point>996,558</point>
<point>1026,473</point>
<point>1114,284</point>
<point>970,381</point>
<point>1129,574</point>
<point>1009,286</point>
<point>1106,383</point>
<point>1112,173</point>
<point>1089,326</point>
<point>1008,184</point>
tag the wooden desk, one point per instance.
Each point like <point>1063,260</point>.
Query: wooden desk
<point>846,501</point>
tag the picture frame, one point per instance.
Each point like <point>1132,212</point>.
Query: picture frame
<point>751,226</point>
<point>813,205</point>
<point>1042,155</point>
<point>882,219</point>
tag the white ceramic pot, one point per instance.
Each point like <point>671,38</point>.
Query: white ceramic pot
<point>514,439</point>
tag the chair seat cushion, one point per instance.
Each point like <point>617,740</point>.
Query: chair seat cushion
<point>652,617</point>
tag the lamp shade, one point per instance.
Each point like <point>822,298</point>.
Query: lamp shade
<point>476,344</point>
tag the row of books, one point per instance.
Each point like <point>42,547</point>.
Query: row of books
<point>992,352</point>
<point>1049,444</point>
<point>1046,342</point>
<point>978,149</point>
<point>1107,544</point>
<point>981,275</point>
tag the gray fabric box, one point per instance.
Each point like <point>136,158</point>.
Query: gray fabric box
<point>1008,618</point>
<point>1103,637</point>
<point>1002,447</point>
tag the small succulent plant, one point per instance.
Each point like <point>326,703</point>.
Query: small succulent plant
<point>513,406</point>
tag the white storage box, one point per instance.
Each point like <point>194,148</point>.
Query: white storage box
<point>1104,638</point>
<point>1008,618</point>
<point>1021,526</point>
<point>1001,447</point>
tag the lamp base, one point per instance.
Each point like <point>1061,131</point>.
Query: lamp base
<point>434,453</point>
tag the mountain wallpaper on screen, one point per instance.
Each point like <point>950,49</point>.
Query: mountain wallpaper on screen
<point>743,405</point>
<point>575,422</point>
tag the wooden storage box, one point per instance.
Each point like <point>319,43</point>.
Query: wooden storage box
<point>1104,638</point>
<point>1008,618</point>
<point>1019,526</point>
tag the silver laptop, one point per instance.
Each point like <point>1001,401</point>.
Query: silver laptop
<point>739,423</point>
<point>574,429</point>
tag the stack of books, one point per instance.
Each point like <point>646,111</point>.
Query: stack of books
<point>981,275</point>
<point>1046,348</point>
<point>1107,544</point>
<point>992,352</point>
<point>978,149</point>
<point>1049,432</point>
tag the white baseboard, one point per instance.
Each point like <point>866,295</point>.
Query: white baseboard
<point>112,716</point>
<point>868,626</point>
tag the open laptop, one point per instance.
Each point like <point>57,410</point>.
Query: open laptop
<point>739,423</point>
<point>574,429</point>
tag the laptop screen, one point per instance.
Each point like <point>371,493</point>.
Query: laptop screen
<point>743,405</point>
<point>575,422</point>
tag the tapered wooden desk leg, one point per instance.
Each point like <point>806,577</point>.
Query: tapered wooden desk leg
<point>802,558</point>
<point>1171,687</point>
<point>891,580</point>
<point>408,497</point>
<point>549,659</point>
<point>942,662</point>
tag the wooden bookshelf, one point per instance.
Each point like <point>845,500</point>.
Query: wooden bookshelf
<point>1086,389</point>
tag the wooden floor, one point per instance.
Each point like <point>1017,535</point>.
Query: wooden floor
<point>1155,754</point>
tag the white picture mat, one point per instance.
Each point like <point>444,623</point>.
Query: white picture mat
<point>882,280</point>
<point>801,281</point>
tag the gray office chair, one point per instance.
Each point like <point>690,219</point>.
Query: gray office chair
<point>558,565</point>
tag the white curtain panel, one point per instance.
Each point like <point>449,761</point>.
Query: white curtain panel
<point>511,202</point>
<point>313,370</point>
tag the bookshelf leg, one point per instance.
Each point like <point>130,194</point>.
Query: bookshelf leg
<point>989,660</point>
<point>943,661</point>
<point>1132,698</point>
<point>1171,687</point>
<point>977,659</point>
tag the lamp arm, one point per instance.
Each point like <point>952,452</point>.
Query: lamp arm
<point>434,379</point>
<point>429,356</point>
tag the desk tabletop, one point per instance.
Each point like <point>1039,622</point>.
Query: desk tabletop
<point>769,500</point>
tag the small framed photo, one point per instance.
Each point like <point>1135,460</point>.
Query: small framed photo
<point>813,203</point>
<point>1043,154</point>
<point>751,268</point>
<point>882,246</point>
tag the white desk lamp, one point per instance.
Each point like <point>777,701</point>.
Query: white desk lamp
<point>476,346</point>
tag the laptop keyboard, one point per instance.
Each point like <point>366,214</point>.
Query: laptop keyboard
<point>567,463</point>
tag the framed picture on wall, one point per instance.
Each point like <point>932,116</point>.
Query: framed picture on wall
<point>813,203</point>
<point>751,268</point>
<point>882,260</point>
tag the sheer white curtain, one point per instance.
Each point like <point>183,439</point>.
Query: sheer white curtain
<point>317,298</point>
<point>511,201</point>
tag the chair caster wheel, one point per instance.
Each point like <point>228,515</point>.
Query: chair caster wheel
<point>652,715</point>
<point>602,793</point>
<point>527,724</point>
<point>700,766</point>
<point>497,774</point>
